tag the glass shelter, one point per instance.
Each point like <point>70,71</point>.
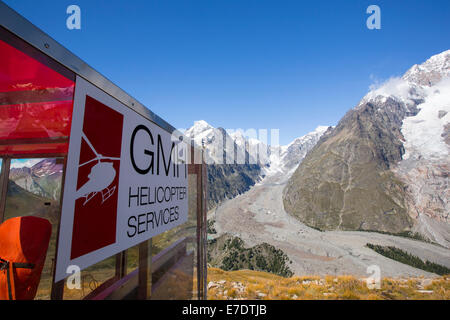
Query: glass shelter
<point>38,80</point>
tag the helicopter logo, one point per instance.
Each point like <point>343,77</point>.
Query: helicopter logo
<point>100,178</point>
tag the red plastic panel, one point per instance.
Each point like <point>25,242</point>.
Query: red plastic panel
<point>36,101</point>
<point>19,72</point>
<point>36,120</point>
<point>33,149</point>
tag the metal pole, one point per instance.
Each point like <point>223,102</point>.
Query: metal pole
<point>4,177</point>
<point>57,292</point>
<point>204,224</point>
<point>145,270</point>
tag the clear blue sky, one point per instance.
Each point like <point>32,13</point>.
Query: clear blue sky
<point>290,65</point>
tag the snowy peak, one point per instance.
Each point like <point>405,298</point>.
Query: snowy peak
<point>244,148</point>
<point>425,132</point>
<point>47,167</point>
<point>43,168</point>
<point>321,129</point>
<point>311,135</point>
<point>198,128</point>
<point>424,92</point>
<point>431,71</point>
<point>219,145</point>
<point>238,137</point>
<point>287,158</point>
<point>411,89</point>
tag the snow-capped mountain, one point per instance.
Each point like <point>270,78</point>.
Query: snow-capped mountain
<point>425,90</point>
<point>285,159</point>
<point>385,165</point>
<point>227,146</point>
<point>237,160</point>
<point>431,71</point>
<point>272,159</point>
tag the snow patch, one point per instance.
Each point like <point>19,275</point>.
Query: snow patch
<point>395,88</point>
<point>423,132</point>
<point>17,164</point>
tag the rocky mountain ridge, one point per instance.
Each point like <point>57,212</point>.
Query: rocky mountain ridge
<point>237,161</point>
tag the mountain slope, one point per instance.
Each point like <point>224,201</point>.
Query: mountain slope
<point>284,159</point>
<point>21,202</point>
<point>351,180</point>
<point>42,179</point>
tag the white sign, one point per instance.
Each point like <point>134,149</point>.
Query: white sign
<point>126,181</point>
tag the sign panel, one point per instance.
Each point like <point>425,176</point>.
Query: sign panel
<point>126,181</point>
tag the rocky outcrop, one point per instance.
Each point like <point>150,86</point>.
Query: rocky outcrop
<point>229,253</point>
<point>226,181</point>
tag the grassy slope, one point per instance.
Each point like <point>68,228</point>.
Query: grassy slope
<point>251,285</point>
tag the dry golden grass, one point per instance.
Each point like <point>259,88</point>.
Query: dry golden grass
<point>261,285</point>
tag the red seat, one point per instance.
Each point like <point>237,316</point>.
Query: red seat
<point>23,247</point>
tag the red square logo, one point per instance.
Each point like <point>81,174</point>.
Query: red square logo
<point>95,215</point>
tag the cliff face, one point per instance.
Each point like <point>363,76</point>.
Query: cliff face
<point>226,181</point>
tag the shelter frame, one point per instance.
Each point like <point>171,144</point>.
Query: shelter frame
<point>137,284</point>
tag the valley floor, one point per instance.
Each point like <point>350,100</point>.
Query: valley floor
<point>258,216</point>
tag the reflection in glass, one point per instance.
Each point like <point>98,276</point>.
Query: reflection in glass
<point>34,189</point>
<point>91,279</point>
<point>176,278</point>
<point>132,259</point>
<point>36,99</point>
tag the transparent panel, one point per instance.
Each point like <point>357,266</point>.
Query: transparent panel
<point>175,277</point>
<point>91,279</point>
<point>189,229</point>
<point>177,282</point>
<point>132,259</point>
<point>34,189</point>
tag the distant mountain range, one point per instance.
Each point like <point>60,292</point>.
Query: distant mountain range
<point>42,179</point>
<point>21,202</point>
<point>385,166</point>
<point>236,161</point>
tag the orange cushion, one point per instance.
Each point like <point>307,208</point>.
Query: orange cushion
<point>23,240</point>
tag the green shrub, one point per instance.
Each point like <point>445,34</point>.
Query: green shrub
<point>409,259</point>
<point>263,257</point>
